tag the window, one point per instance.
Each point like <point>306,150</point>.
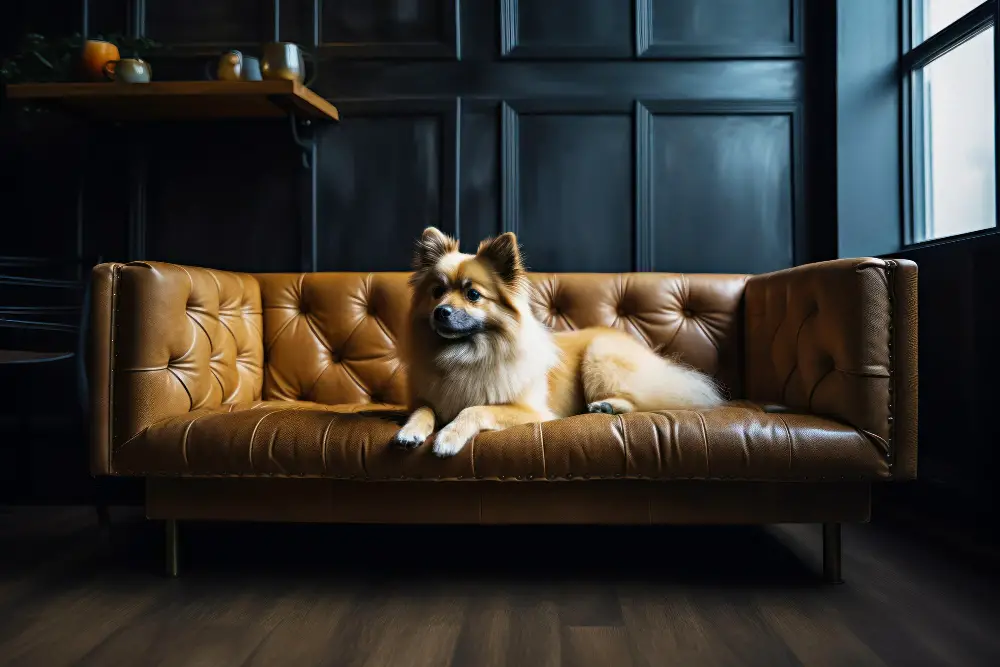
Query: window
<point>950,74</point>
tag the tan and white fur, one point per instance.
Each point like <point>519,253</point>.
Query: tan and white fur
<point>479,360</point>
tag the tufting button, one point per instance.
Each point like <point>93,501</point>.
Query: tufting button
<point>688,312</point>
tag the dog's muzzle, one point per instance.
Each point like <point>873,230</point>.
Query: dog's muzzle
<point>451,323</point>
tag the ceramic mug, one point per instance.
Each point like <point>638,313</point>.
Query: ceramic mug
<point>128,70</point>
<point>251,69</point>
<point>285,60</point>
<point>93,56</point>
<point>229,67</point>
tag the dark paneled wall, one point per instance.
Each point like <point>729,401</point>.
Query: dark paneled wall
<point>611,135</point>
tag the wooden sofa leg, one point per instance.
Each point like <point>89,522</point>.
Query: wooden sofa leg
<point>831,553</point>
<point>171,543</point>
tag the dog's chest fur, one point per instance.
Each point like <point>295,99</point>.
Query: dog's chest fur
<point>520,378</point>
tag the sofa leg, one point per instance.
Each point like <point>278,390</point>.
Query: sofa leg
<point>831,553</point>
<point>171,543</point>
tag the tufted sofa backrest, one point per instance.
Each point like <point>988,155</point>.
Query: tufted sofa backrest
<point>333,337</point>
<point>169,339</point>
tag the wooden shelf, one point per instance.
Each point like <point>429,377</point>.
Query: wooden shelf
<point>180,100</point>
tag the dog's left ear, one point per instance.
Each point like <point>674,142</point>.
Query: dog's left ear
<point>504,255</point>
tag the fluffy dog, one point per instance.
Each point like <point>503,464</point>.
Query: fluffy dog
<point>479,360</point>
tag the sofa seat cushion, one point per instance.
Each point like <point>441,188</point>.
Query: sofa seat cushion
<point>739,441</point>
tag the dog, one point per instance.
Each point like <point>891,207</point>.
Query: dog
<point>478,359</point>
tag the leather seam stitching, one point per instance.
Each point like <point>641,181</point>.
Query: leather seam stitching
<point>788,432</point>
<point>184,387</point>
<point>187,312</point>
<point>812,392</point>
<point>322,444</point>
<point>184,440</point>
<point>112,358</point>
<point>368,292</point>
<point>890,428</point>
<point>541,440</point>
<point>621,423</point>
<point>253,434</point>
<point>704,433</point>
<point>350,374</point>
<point>281,329</point>
<point>312,387</point>
<point>222,322</point>
<point>795,366</point>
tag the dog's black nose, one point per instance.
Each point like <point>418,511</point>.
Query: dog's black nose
<point>443,313</point>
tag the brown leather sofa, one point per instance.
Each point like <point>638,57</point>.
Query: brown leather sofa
<point>275,397</point>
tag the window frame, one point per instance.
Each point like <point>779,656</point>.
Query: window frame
<point>913,143</point>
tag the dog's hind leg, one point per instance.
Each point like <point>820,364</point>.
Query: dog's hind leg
<point>611,405</point>
<point>620,374</point>
<point>608,365</point>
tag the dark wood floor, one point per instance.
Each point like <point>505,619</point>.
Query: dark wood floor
<point>370,596</point>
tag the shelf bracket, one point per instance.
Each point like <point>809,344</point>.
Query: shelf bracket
<point>304,137</point>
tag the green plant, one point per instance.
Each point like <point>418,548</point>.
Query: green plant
<point>41,59</point>
<point>45,60</point>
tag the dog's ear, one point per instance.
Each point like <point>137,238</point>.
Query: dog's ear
<point>432,246</point>
<point>503,254</point>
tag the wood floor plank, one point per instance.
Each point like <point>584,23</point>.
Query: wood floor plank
<point>305,636</point>
<point>817,635</point>
<point>253,596</point>
<point>418,631</point>
<point>583,603</point>
<point>666,629</point>
<point>535,637</point>
<point>484,639</point>
<point>591,646</point>
<point>70,624</point>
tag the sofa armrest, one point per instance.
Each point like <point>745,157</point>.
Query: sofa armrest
<point>839,339</point>
<point>165,340</point>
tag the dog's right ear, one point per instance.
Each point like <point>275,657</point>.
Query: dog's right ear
<point>432,246</point>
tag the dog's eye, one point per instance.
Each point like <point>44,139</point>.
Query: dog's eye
<point>473,295</point>
<point>438,292</point>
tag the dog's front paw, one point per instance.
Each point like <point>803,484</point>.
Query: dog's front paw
<point>408,438</point>
<point>601,407</point>
<point>448,443</point>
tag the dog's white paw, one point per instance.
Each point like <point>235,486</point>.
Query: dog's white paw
<point>448,443</point>
<point>409,438</point>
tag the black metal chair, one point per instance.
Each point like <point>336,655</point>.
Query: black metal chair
<point>44,321</point>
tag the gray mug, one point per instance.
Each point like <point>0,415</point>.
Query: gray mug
<point>128,70</point>
<point>251,69</point>
<point>285,60</point>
